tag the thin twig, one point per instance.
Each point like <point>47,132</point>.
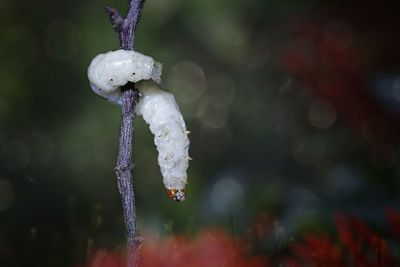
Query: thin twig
<point>123,170</point>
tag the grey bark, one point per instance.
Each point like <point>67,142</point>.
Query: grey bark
<point>125,27</point>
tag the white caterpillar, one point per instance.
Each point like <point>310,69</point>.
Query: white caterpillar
<point>161,112</point>
<point>107,72</point>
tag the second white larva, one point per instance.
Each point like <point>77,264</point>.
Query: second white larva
<point>161,112</point>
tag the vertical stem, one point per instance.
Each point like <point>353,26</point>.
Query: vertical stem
<point>123,170</point>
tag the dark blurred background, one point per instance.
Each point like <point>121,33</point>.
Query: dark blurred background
<point>294,108</point>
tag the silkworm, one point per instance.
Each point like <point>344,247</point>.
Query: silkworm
<point>108,72</point>
<point>161,112</point>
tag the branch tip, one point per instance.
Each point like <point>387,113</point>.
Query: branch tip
<point>115,17</point>
<point>134,13</point>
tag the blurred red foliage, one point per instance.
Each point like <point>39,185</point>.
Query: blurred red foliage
<point>357,245</point>
<point>318,251</point>
<point>365,247</point>
<point>211,248</point>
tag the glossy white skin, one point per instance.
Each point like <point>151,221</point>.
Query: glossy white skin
<point>161,112</point>
<point>108,72</point>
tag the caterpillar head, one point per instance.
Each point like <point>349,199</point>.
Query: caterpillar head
<point>177,194</point>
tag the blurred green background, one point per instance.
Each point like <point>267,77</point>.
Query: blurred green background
<point>293,108</point>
